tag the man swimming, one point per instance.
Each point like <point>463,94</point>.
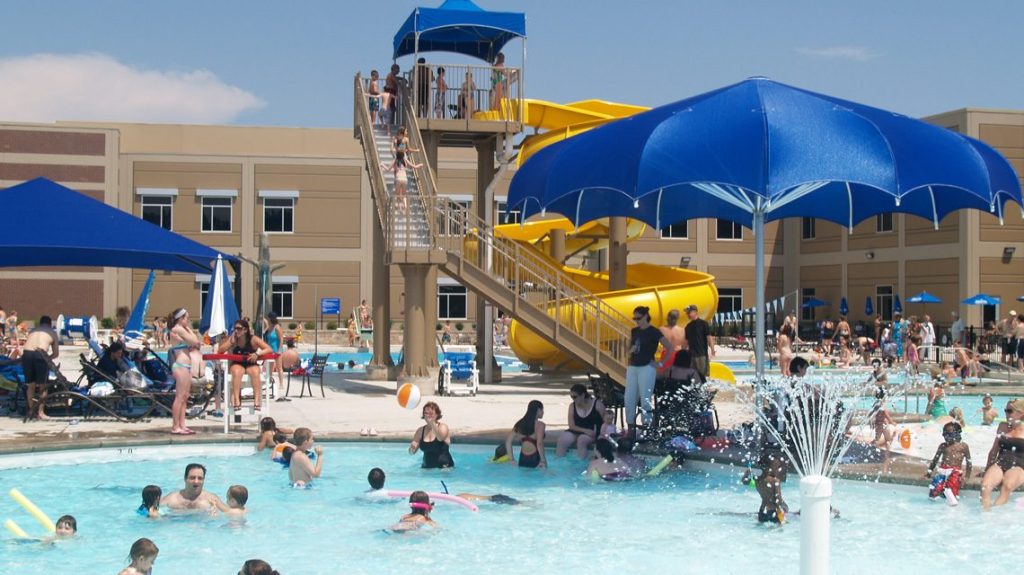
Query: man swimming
<point>193,497</point>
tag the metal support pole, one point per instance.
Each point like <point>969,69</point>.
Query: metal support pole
<point>759,287</point>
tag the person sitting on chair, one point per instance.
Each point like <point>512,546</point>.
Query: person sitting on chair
<point>112,361</point>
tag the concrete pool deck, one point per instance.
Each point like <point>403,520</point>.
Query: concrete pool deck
<point>352,403</point>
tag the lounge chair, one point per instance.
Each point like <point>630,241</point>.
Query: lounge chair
<point>458,374</point>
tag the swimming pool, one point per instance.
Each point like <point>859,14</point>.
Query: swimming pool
<point>508,364</point>
<point>697,521</point>
<point>968,402</point>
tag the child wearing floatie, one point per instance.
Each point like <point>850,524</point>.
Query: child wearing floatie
<point>953,458</point>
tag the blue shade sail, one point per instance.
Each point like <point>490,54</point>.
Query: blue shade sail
<point>458,26</point>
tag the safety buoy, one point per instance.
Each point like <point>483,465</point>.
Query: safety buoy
<point>905,439</point>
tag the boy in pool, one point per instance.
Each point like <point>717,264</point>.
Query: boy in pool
<point>67,527</point>
<point>237,497</point>
<point>951,456</point>
<point>376,480</point>
<point>769,486</point>
<point>988,413</point>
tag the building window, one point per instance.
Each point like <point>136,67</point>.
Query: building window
<point>508,217</point>
<point>883,302</point>
<point>461,212</point>
<point>216,214</point>
<point>157,210</point>
<point>204,294</point>
<point>808,229</point>
<point>729,230</point>
<point>282,297</point>
<point>279,215</point>
<point>883,223</point>
<point>451,302</point>
<point>806,295</point>
<point>730,299</point>
<point>676,231</point>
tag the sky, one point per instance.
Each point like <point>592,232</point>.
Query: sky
<point>277,63</point>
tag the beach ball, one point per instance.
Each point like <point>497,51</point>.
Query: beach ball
<point>408,396</point>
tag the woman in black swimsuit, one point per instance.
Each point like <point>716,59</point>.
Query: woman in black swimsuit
<point>434,439</point>
<point>1006,459</point>
<point>530,432</point>
<point>586,415</point>
<point>242,342</point>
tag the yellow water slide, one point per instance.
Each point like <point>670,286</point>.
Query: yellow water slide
<point>660,288</point>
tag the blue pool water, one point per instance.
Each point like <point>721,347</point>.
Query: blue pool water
<point>969,403</point>
<point>508,364</point>
<point>697,521</point>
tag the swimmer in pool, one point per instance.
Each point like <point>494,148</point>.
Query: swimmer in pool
<point>150,507</point>
<point>420,505</point>
<point>193,497</point>
<point>376,492</point>
<point>302,471</point>
<point>237,497</point>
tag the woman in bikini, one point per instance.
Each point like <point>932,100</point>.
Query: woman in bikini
<point>401,177</point>
<point>186,361</point>
<point>243,343</point>
<point>530,432</point>
<point>1005,469</point>
<point>586,416</point>
<point>785,343</point>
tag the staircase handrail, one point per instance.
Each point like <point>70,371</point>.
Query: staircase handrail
<point>364,129</point>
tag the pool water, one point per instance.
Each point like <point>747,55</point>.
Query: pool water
<point>969,403</point>
<point>699,518</point>
<point>508,364</point>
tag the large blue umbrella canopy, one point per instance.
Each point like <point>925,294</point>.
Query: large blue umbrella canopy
<point>869,308</point>
<point>923,297</point>
<point>133,329</point>
<point>982,299</point>
<point>844,308</point>
<point>458,26</point>
<point>758,151</point>
<point>897,307</point>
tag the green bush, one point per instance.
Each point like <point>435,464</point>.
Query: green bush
<point>438,326</point>
<point>195,324</point>
<point>292,325</point>
<point>107,323</point>
<point>332,325</point>
<point>460,326</point>
<point>308,325</point>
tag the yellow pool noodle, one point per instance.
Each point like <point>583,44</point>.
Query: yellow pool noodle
<point>15,530</point>
<point>33,510</point>
<point>660,466</point>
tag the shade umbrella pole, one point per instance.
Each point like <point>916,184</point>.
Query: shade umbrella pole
<point>759,331</point>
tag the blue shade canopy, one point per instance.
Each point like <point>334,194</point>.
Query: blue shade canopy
<point>844,308</point>
<point>51,225</point>
<point>897,307</point>
<point>923,297</point>
<point>458,26</point>
<point>869,307</point>
<point>813,303</point>
<point>982,299</point>
<point>760,146</point>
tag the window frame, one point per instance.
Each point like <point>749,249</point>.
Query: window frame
<point>735,298</point>
<point>275,292</point>
<point>735,227</point>
<point>885,310</point>
<point>444,297</point>
<point>806,295</point>
<point>880,220</point>
<point>288,210</point>
<point>808,224</point>
<point>502,210</point>
<point>215,206</point>
<point>667,231</point>
<point>165,202</point>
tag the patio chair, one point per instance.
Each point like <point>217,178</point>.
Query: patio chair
<point>458,374</point>
<point>611,395</point>
<point>315,369</point>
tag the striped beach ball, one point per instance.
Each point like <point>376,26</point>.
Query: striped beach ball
<point>408,396</point>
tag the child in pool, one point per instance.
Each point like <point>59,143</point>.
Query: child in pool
<point>988,413</point>
<point>951,456</point>
<point>67,527</point>
<point>238,495</point>
<point>376,480</point>
<point>608,429</point>
<point>421,506</point>
<point>958,416</point>
<point>773,507</point>
<point>150,507</point>
<point>269,433</point>
<point>142,555</point>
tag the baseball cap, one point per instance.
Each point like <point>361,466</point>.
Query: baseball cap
<point>1013,312</point>
<point>691,307</point>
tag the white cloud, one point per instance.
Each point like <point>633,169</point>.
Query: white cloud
<point>50,87</point>
<point>855,53</point>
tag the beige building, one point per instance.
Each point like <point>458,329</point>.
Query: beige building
<point>309,191</point>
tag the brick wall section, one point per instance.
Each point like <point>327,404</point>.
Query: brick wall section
<point>41,142</point>
<point>33,298</point>
<point>57,173</point>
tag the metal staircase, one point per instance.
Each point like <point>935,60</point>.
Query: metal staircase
<point>514,277</point>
